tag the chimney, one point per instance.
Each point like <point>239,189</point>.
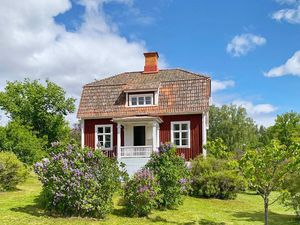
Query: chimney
<point>151,59</point>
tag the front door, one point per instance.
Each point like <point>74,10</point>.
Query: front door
<point>139,137</point>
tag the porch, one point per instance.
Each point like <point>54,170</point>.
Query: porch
<point>137,138</point>
<point>140,134</point>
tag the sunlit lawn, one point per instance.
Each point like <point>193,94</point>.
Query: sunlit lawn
<point>18,207</point>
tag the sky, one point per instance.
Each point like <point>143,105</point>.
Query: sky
<point>250,48</point>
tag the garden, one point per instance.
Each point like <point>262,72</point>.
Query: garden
<point>250,175</point>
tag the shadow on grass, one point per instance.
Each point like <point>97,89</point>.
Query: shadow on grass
<point>33,210</point>
<point>200,222</point>
<point>274,218</point>
<point>209,222</point>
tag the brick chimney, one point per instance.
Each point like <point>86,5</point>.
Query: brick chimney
<point>151,59</point>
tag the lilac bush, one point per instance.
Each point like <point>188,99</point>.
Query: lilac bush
<point>172,175</point>
<point>141,193</point>
<point>78,182</point>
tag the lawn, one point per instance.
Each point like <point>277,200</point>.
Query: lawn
<point>18,207</point>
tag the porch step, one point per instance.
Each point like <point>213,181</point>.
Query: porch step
<point>134,164</point>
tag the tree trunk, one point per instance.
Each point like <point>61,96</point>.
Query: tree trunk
<point>266,205</point>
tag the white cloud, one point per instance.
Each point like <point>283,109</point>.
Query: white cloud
<point>33,45</point>
<point>217,85</point>
<point>242,44</point>
<point>263,114</point>
<point>290,67</point>
<point>288,2</point>
<point>291,15</point>
<point>255,109</point>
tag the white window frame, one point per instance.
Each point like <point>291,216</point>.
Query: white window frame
<point>188,123</point>
<point>111,136</point>
<point>137,99</point>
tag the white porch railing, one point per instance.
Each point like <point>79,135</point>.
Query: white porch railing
<point>135,151</point>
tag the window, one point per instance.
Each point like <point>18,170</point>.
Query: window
<point>180,134</point>
<point>104,137</point>
<point>141,100</point>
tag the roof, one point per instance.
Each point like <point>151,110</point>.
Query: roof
<point>180,92</point>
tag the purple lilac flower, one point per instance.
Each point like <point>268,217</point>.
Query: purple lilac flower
<point>182,181</point>
<point>90,154</point>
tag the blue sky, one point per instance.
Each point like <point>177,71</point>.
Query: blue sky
<point>243,45</point>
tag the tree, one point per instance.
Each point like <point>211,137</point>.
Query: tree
<point>37,106</point>
<point>22,142</point>
<point>267,169</point>
<point>286,129</point>
<point>233,126</point>
<point>217,149</point>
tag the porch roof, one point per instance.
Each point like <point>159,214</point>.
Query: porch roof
<point>137,119</point>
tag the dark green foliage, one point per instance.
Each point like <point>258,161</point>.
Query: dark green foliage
<point>215,178</point>
<point>172,175</point>
<point>141,193</point>
<point>78,182</point>
<point>12,171</point>
<point>233,126</point>
<point>23,142</point>
<point>42,108</point>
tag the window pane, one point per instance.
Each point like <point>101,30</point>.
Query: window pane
<point>133,101</point>
<point>184,126</point>
<point>184,134</point>
<point>100,144</point>
<point>176,135</point>
<point>100,138</point>
<point>141,100</point>
<point>176,127</point>
<point>176,142</point>
<point>107,138</point>
<point>107,130</point>
<point>184,142</point>
<point>100,130</point>
<point>148,100</point>
<point>107,144</point>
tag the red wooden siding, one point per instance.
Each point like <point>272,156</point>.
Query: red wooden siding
<point>89,134</point>
<point>165,133</point>
<point>195,133</point>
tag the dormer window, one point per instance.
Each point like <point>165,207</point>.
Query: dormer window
<point>141,100</point>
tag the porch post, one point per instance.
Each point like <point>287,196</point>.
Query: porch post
<point>154,135</point>
<point>118,141</point>
<point>82,132</point>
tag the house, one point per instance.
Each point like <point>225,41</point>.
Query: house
<point>128,115</point>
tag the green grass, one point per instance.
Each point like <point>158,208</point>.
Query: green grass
<point>18,207</point>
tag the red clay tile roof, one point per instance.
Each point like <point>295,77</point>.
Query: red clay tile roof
<point>180,92</point>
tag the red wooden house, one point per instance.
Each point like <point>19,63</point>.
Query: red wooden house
<point>128,115</point>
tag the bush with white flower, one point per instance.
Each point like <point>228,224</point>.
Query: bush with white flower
<point>78,182</point>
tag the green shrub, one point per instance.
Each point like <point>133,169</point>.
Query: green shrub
<point>78,182</point>
<point>23,142</point>
<point>215,178</point>
<point>12,171</point>
<point>172,175</point>
<point>141,193</point>
<point>291,196</point>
